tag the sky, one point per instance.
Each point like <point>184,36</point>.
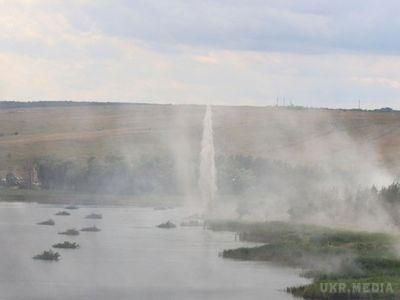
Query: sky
<point>319,53</point>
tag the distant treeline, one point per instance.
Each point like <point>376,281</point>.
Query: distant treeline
<point>237,175</point>
<point>245,175</point>
<point>66,103</point>
<point>307,189</point>
<point>111,175</point>
<point>43,104</point>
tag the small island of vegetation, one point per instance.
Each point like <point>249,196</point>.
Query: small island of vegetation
<point>354,261</point>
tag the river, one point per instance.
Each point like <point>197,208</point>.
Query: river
<point>128,259</point>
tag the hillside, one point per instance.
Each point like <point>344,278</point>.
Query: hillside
<point>298,136</point>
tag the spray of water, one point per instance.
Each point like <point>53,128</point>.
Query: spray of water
<point>207,177</point>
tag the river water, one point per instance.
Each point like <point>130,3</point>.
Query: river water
<point>129,259</point>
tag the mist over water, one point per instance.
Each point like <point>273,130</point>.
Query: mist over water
<point>129,259</point>
<point>208,172</point>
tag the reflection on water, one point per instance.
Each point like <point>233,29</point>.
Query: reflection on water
<point>128,259</point>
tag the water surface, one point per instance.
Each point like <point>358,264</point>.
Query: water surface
<point>129,259</point>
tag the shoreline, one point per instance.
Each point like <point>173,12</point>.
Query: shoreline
<point>65,198</point>
<point>342,264</point>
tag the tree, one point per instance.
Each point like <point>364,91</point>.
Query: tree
<point>11,179</point>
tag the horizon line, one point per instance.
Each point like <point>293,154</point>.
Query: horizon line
<point>108,102</point>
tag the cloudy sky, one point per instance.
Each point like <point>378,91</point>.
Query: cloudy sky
<point>328,53</point>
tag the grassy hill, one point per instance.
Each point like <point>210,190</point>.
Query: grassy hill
<point>299,136</point>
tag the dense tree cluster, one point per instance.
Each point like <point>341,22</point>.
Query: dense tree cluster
<point>306,188</point>
<point>112,175</point>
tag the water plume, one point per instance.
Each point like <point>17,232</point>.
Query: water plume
<point>207,176</point>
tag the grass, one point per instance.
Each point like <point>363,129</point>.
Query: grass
<point>328,256</point>
<point>78,132</point>
<point>374,287</point>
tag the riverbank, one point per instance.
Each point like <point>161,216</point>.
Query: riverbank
<point>65,197</point>
<point>343,264</point>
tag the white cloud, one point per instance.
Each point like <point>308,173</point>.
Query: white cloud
<point>45,54</point>
<point>379,81</point>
